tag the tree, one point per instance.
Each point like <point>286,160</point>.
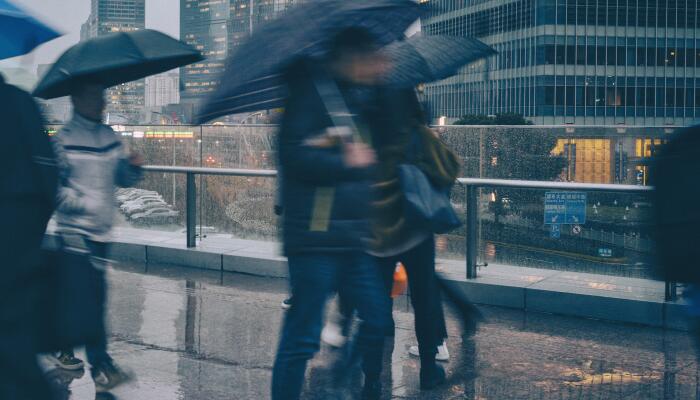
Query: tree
<point>514,153</point>
<point>498,119</point>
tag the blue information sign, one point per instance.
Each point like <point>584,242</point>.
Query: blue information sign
<point>603,252</point>
<point>568,208</point>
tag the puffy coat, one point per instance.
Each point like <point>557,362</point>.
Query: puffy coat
<point>326,204</point>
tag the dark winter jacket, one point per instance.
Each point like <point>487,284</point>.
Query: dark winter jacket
<point>326,204</point>
<point>27,159</point>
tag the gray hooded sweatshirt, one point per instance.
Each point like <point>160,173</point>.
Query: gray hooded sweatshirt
<point>93,162</point>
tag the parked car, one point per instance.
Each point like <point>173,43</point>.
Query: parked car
<point>135,195</point>
<point>137,207</point>
<point>156,216</point>
<point>142,200</point>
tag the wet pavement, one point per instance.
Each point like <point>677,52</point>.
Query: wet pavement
<point>192,334</point>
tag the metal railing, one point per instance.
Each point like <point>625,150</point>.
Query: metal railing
<point>472,186</point>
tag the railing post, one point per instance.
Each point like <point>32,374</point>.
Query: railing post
<point>191,211</point>
<point>671,291</point>
<point>471,223</point>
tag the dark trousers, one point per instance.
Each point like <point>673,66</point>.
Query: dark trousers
<point>314,277</point>
<point>97,352</point>
<point>425,294</point>
<point>23,228</point>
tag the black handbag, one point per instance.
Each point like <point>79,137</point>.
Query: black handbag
<point>73,298</point>
<point>425,205</point>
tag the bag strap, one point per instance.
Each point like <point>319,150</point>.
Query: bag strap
<point>335,105</point>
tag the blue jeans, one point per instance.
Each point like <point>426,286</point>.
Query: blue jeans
<point>314,277</point>
<point>97,352</point>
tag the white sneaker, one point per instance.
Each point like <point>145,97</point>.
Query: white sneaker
<point>332,335</point>
<point>442,353</point>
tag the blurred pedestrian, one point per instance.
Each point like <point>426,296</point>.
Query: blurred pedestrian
<point>404,138</point>
<point>28,184</point>
<point>326,158</point>
<point>92,162</point>
<point>674,174</point>
<point>396,237</point>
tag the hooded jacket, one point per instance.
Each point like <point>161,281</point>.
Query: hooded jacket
<point>92,162</point>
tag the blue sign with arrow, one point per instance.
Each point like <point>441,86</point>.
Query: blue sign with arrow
<point>566,208</point>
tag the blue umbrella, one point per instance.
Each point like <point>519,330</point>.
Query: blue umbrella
<point>252,78</point>
<point>19,32</point>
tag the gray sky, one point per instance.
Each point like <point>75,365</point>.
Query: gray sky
<point>67,16</point>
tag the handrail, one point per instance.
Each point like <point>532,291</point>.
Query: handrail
<point>479,182</point>
<point>520,184</point>
<point>471,184</point>
<point>211,171</point>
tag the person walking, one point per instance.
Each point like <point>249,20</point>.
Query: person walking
<point>28,184</point>
<point>327,170</point>
<point>92,161</point>
<point>405,139</point>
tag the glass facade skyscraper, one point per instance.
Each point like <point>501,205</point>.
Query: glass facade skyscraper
<point>217,27</point>
<point>125,101</point>
<point>583,62</point>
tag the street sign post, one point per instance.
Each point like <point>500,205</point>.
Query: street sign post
<point>567,208</point>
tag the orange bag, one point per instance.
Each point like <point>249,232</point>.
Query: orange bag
<point>400,281</point>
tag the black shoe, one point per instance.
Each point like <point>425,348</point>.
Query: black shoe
<point>372,391</point>
<point>67,361</point>
<point>107,376</point>
<point>431,377</point>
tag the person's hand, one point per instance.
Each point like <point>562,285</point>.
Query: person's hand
<point>135,159</point>
<point>359,155</point>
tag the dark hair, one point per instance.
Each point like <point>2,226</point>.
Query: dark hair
<point>352,40</point>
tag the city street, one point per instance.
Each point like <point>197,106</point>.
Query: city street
<point>189,334</point>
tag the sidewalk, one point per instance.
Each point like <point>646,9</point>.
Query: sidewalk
<point>206,335</point>
<point>586,295</point>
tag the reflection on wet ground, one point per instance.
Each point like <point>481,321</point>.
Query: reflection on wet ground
<point>188,334</point>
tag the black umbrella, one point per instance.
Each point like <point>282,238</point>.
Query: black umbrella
<point>422,59</point>
<point>113,59</point>
<point>251,81</point>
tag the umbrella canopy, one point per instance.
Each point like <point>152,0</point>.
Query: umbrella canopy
<point>113,59</point>
<point>19,32</point>
<point>251,81</point>
<point>422,59</point>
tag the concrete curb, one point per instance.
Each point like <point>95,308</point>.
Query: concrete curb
<point>560,300</point>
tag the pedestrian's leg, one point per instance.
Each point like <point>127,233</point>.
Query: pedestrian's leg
<point>363,286</point>
<point>313,277</point>
<point>425,297</point>
<point>97,352</point>
<point>386,267</point>
<point>427,308</point>
<point>21,377</point>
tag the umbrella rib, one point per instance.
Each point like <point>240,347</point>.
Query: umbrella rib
<point>233,110</point>
<point>251,93</point>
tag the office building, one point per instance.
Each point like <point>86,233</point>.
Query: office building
<point>163,89</point>
<point>589,62</point>
<point>216,28</point>
<point>125,101</point>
